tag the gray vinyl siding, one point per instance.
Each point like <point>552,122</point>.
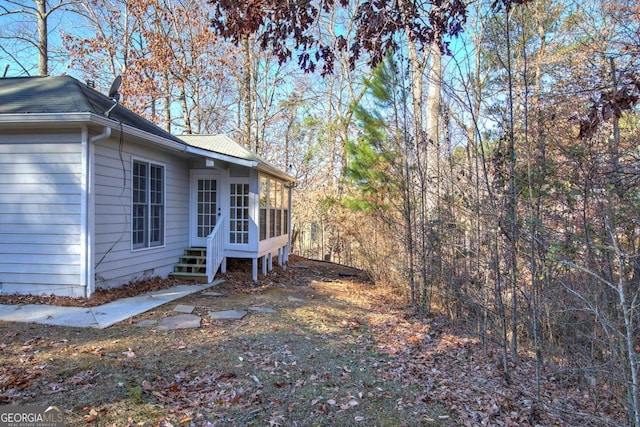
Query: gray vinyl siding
<point>40,204</point>
<point>116,263</point>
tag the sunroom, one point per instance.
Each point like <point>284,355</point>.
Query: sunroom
<point>240,208</point>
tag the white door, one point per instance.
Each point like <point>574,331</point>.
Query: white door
<point>205,207</point>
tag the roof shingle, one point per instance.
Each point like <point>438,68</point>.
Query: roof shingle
<point>64,94</point>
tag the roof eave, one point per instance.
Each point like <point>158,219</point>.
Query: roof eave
<point>44,118</point>
<point>218,156</point>
<point>47,119</point>
<point>133,131</point>
<point>263,167</point>
<point>85,118</point>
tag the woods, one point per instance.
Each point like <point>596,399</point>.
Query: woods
<point>480,159</point>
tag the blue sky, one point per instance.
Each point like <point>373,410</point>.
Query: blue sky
<point>21,56</point>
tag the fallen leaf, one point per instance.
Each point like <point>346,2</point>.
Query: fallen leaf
<point>349,404</point>
<point>225,376</point>
<point>91,416</point>
<point>98,351</point>
<point>129,353</point>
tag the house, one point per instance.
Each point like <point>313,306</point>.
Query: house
<point>93,195</point>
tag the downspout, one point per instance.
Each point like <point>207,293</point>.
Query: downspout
<point>87,219</point>
<point>106,133</point>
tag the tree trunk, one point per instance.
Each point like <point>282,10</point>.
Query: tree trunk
<point>432,170</point>
<point>167,102</point>
<point>185,109</point>
<point>43,41</point>
<point>433,114</point>
<point>512,199</point>
<point>245,94</point>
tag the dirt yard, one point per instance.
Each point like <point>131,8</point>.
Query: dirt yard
<point>325,348</point>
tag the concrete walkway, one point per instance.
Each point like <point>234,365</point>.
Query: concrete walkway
<point>101,316</point>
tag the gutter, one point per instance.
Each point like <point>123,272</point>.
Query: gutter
<point>46,120</point>
<point>130,130</point>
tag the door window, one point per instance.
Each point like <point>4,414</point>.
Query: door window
<point>239,213</point>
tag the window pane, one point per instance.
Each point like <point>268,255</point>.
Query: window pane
<point>272,223</point>
<point>139,208</point>
<point>278,222</point>
<point>263,191</point>
<point>263,223</point>
<point>278,202</point>
<point>272,193</point>
<point>285,221</point>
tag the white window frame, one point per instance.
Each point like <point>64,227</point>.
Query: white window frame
<point>148,244</point>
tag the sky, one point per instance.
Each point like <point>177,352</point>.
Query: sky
<point>21,56</point>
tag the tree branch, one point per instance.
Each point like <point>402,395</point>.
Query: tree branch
<point>18,63</point>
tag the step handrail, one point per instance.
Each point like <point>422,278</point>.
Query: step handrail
<point>215,248</point>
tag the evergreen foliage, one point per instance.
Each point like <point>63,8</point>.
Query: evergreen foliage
<point>372,157</point>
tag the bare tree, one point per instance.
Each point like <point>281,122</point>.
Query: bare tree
<point>36,12</point>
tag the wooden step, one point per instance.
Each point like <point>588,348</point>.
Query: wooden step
<point>192,266</point>
<point>194,277</point>
<point>195,252</point>
<point>189,259</point>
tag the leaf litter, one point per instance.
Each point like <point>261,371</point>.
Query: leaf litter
<point>341,352</point>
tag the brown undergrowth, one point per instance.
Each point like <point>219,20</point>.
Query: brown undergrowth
<point>99,297</point>
<point>336,350</point>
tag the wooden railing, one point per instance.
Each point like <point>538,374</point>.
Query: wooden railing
<point>215,248</point>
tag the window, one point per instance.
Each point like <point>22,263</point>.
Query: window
<point>285,210</point>
<point>147,224</point>
<point>274,208</point>
<point>264,202</point>
<point>272,205</point>
<point>278,203</point>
